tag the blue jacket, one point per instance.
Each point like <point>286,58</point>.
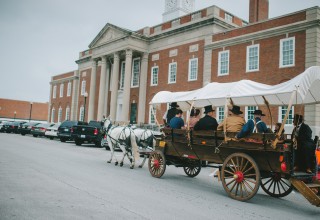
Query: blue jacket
<point>248,128</point>
<point>176,122</point>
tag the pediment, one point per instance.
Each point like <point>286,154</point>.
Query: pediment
<point>108,34</point>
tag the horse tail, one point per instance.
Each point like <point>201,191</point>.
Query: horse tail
<point>134,146</point>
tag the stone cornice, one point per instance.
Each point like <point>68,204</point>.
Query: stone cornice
<point>57,81</point>
<point>83,60</point>
<point>299,26</point>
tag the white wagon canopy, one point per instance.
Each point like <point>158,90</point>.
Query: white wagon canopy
<point>302,89</point>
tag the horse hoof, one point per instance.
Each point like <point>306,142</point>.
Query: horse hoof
<point>116,163</point>
<point>140,166</point>
<point>108,161</point>
<point>121,164</point>
<point>131,167</point>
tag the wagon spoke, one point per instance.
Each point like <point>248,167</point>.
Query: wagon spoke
<point>234,183</point>
<point>278,185</point>
<point>245,166</point>
<point>252,174</point>
<point>231,173</point>
<point>245,188</point>
<point>241,192</point>
<point>234,164</point>
<point>282,181</point>
<point>229,166</point>
<point>270,179</point>
<point>237,189</point>
<point>230,182</point>
<point>245,182</point>
<point>238,166</point>
<point>248,170</point>
<point>270,184</point>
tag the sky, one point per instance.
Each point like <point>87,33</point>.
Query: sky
<point>43,38</point>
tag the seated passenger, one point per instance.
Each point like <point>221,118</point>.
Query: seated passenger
<point>194,117</point>
<point>234,121</point>
<point>177,122</point>
<point>253,126</point>
<point>208,122</point>
<point>276,129</point>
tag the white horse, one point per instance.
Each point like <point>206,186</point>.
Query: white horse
<point>124,138</point>
<point>146,141</point>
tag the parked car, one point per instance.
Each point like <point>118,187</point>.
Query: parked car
<point>12,127</point>
<point>91,133</point>
<point>2,125</point>
<point>26,128</point>
<point>64,130</point>
<point>39,130</point>
<point>52,131</point>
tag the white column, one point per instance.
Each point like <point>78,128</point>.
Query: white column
<point>114,87</point>
<point>106,94</point>
<point>102,88</point>
<point>143,88</point>
<point>49,104</point>
<point>126,87</point>
<point>92,91</point>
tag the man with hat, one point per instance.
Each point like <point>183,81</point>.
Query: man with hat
<point>170,113</point>
<point>234,121</point>
<point>253,126</point>
<point>208,122</point>
<point>305,147</point>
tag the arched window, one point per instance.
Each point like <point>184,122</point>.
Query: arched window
<point>81,115</point>
<point>67,113</point>
<point>53,112</point>
<point>59,114</point>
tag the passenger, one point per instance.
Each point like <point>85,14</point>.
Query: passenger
<point>194,117</point>
<point>208,122</point>
<point>253,126</point>
<point>276,129</point>
<point>170,113</point>
<point>177,122</point>
<point>234,121</point>
<point>304,145</point>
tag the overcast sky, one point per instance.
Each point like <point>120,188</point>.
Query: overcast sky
<point>42,38</point>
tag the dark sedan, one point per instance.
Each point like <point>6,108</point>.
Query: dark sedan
<point>64,131</point>
<point>39,130</point>
<point>12,127</point>
<point>26,128</point>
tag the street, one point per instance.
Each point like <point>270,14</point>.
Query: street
<point>45,179</point>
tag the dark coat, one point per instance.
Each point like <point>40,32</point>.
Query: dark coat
<point>305,147</point>
<point>170,114</point>
<point>206,123</point>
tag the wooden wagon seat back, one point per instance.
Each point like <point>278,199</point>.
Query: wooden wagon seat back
<point>211,137</point>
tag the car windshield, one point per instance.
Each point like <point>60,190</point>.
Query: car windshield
<point>68,123</point>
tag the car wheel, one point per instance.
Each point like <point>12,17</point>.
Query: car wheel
<point>78,142</point>
<point>23,134</point>
<point>51,138</point>
<point>35,135</point>
<point>63,139</point>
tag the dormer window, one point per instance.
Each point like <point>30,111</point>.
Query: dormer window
<point>228,17</point>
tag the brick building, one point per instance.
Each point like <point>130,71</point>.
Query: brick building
<point>123,69</point>
<point>23,110</point>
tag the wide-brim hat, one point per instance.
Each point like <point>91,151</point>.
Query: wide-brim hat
<point>208,108</point>
<point>258,112</point>
<point>236,110</point>
<point>174,105</point>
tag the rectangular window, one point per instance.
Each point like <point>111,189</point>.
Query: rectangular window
<point>172,73</point>
<point>154,75</point>
<point>228,17</point>
<point>81,115</point>
<point>253,58</point>
<point>193,69</point>
<point>223,64</point>
<point>249,111</point>
<point>69,89</point>
<point>54,92</point>
<point>287,52</point>
<point>83,87</point>
<point>67,113</point>
<point>282,113</point>
<point>135,72</point>
<point>53,112</point>
<point>59,115</point>
<point>220,114</point>
<point>61,90</point>
<point>152,114</point>
<point>123,64</point>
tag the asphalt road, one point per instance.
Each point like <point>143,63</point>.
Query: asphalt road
<point>44,179</point>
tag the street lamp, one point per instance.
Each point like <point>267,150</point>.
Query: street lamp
<point>84,107</point>
<point>30,111</point>
<point>15,115</point>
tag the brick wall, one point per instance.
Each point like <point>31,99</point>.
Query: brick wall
<point>22,109</point>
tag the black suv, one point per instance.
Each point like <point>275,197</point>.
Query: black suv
<point>64,130</point>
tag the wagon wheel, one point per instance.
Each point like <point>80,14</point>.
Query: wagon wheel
<point>192,171</point>
<point>276,186</point>
<point>240,176</point>
<point>157,164</point>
